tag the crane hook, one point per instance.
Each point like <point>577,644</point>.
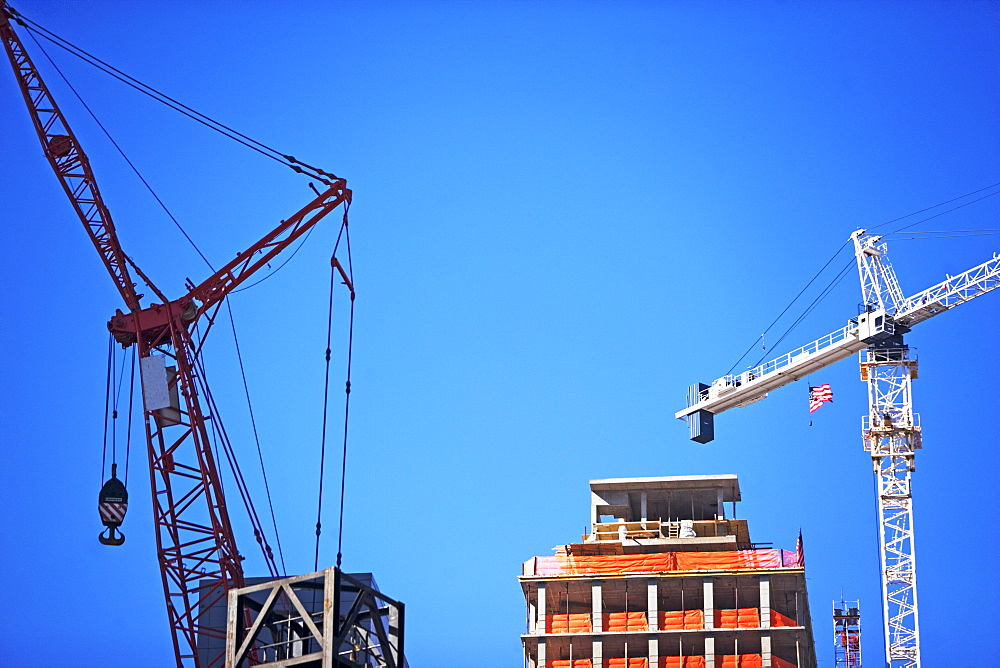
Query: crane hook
<point>112,504</point>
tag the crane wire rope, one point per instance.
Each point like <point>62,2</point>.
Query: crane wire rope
<point>256,436</point>
<point>785,310</point>
<point>815,302</point>
<point>207,121</point>
<point>193,245</point>
<point>947,236</point>
<point>69,47</point>
<point>345,234</point>
<point>840,276</point>
<point>107,403</point>
<point>220,435</point>
<point>347,395</point>
<point>929,208</point>
<point>120,150</point>
<point>128,428</point>
<point>326,400</point>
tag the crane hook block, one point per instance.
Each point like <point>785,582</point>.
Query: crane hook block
<point>112,504</point>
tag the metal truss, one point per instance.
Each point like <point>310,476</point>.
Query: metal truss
<point>879,287</point>
<point>325,620</point>
<point>950,293</point>
<point>892,434</point>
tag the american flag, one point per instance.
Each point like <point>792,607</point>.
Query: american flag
<point>800,552</point>
<point>817,395</point>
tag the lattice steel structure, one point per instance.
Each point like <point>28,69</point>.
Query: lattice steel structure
<point>194,535</point>
<point>327,619</point>
<point>891,433</point>
<point>846,634</point>
<point>891,430</point>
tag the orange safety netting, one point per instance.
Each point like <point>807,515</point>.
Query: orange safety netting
<point>676,620</point>
<point>778,619</point>
<point>739,661</point>
<point>781,663</point>
<point>570,663</point>
<point>625,621</point>
<point>656,563</point>
<point>637,662</point>
<point>701,561</point>
<point>737,618</point>
<point>574,622</point>
<point>682,662</point>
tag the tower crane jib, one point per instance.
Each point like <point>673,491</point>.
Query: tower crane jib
<point>891,430</point>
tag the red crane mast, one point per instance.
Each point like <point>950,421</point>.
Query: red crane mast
<point>194,536</point>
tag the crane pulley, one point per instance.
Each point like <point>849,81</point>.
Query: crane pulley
<point>112,503</point>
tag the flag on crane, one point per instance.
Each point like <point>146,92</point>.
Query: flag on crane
<point>817,395</point>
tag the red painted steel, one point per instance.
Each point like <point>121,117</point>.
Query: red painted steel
<point>194,536</point>
<point>68,161</point>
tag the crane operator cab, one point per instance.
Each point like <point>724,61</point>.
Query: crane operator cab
<point>112,504</point>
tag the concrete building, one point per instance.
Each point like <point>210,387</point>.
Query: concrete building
<point>666,578</point>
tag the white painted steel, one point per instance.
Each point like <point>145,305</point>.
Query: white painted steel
<point>949,293</point>
<point>879,288</point>
<point>737,390</point>
<point>732,391</point>
<point>891,431</point>
<point>892,434</point>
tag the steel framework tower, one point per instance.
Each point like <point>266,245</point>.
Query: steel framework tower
<point>891,433</point>
<point>847,634</point>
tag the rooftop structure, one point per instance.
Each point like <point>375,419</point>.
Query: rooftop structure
<point>664,579</point>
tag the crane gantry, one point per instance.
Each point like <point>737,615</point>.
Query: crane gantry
<point>194,535</point>
<point>891,431</point>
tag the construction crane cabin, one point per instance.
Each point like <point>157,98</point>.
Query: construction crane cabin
<point>891,431</point>
<point>270,619</point>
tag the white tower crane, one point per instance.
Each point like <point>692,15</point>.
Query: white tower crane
<point>890,431</point>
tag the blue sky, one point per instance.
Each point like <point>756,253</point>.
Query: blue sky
<point>564,214</point>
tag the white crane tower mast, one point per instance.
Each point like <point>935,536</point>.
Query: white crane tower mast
<point>891,430</point>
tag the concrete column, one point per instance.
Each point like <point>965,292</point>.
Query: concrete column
<point>541,608</point>
<point>654,651</point>
<point>541,653</point>
<point>708,586</point>
<point>596,607</point>
<point>720,506</point>
<point>532,616</point>
<point>597,621</point>
<point>652,605</point>
<point>709,650</point>
<point>765,649</point>
<point>765,601</point>
<point>642,506</point>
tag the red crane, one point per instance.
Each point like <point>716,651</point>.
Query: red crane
<point>194,536</point>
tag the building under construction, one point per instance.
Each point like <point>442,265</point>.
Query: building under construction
<point>666,578</point>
